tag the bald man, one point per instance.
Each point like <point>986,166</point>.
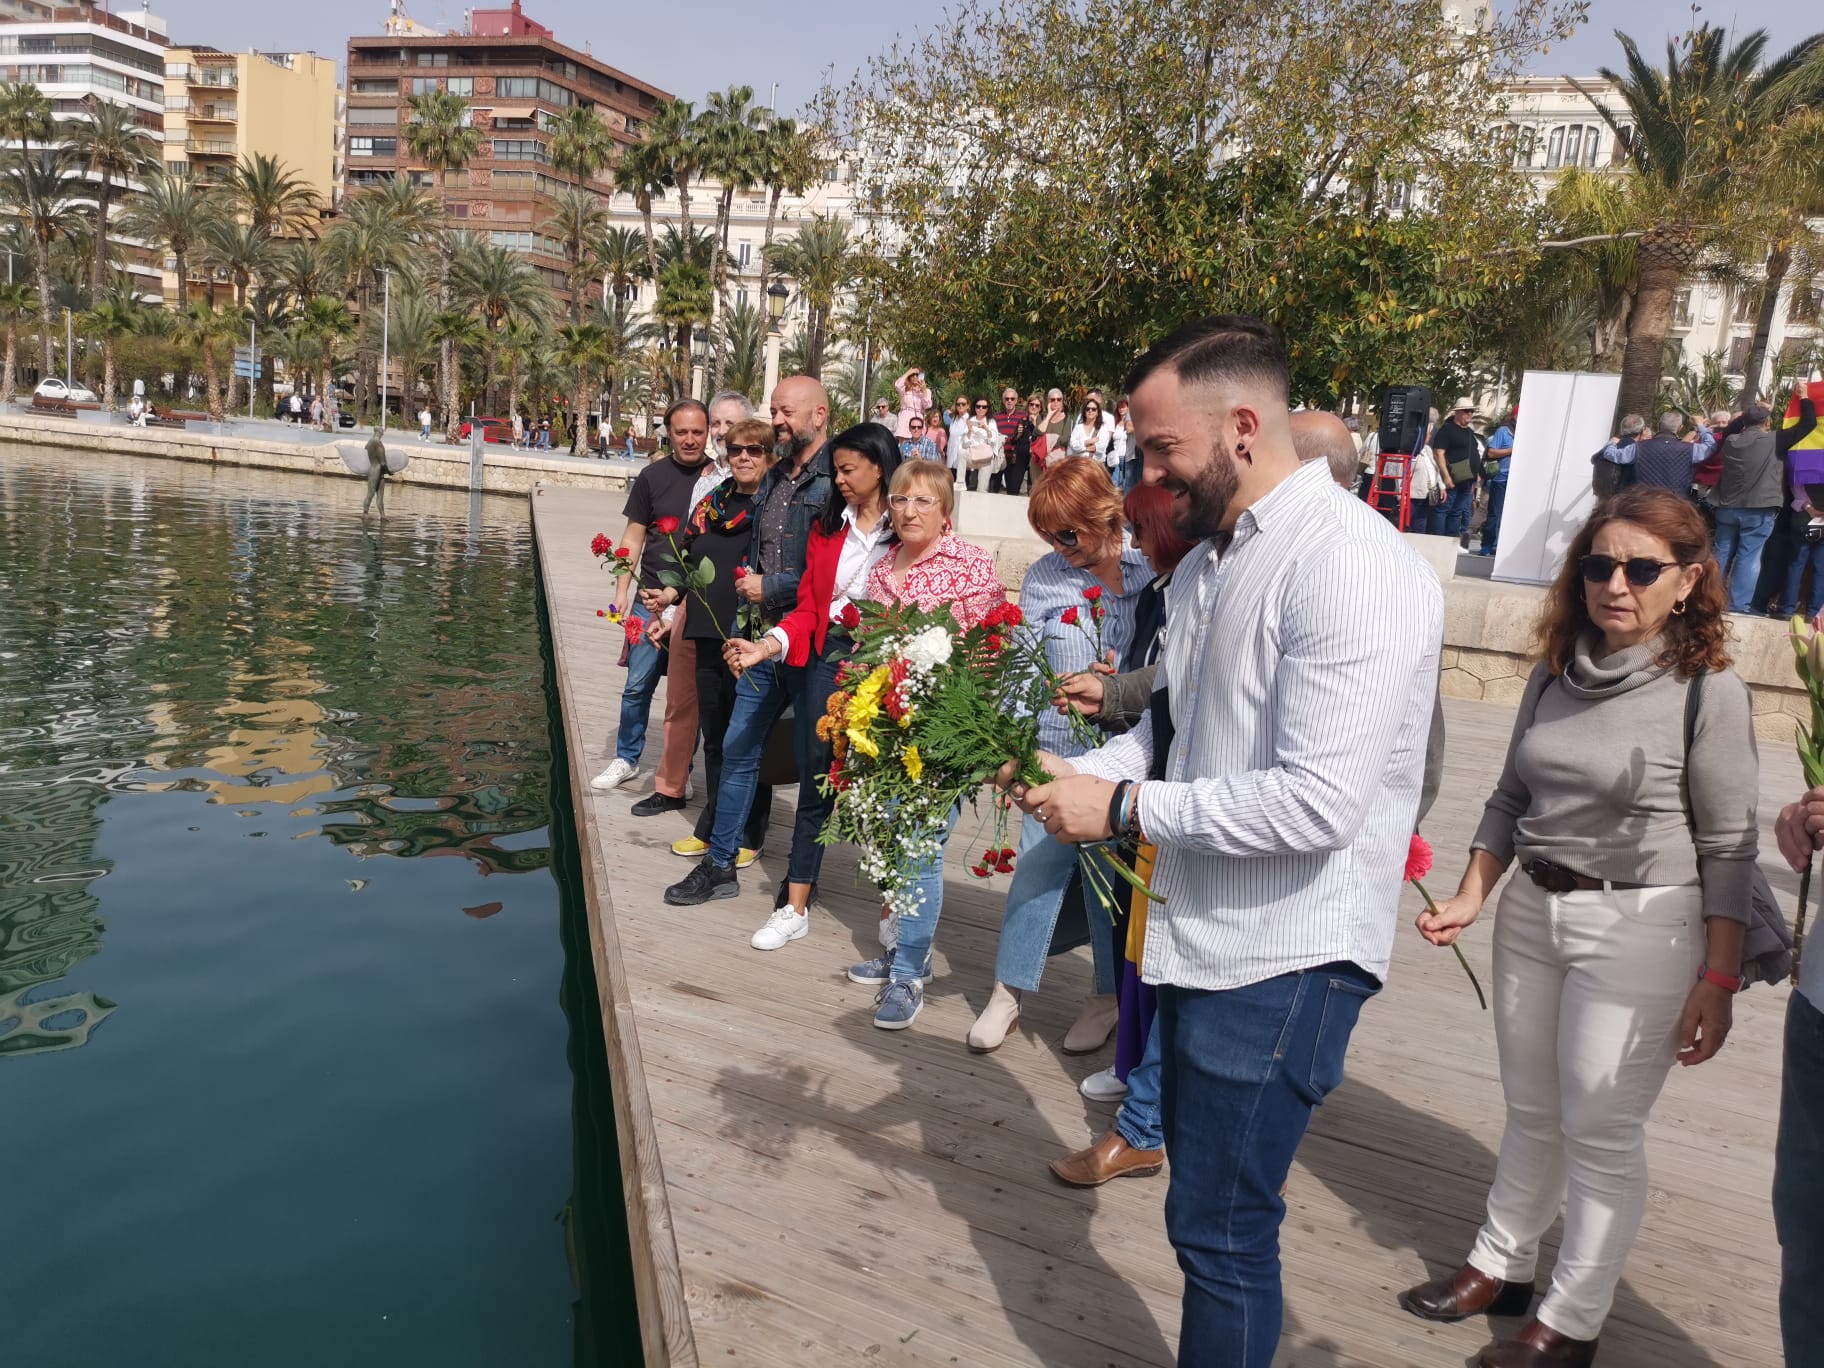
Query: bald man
<point>786,505</point>
<point>1321,436</point>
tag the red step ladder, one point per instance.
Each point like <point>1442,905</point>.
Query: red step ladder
<point>1391,492</point>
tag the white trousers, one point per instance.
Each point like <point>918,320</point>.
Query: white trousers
<point>1588,992</point>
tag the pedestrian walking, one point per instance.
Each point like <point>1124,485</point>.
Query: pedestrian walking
<point>1494,479</point>
<point>1458,452</point>
<point>424,423</point>
<point>1747,501</point>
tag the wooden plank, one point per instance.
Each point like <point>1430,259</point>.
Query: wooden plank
<point>808,1190</point>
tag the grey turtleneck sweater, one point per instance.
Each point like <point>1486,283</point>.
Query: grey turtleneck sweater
<point>1596,778</point>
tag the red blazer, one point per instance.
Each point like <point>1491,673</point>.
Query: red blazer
<point>809,623</point>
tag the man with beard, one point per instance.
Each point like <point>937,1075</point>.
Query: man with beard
<point>787,503</point>
<point>1301,692</point>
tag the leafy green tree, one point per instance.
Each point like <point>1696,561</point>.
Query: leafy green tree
<point>16,301</point>
<point>644,173</point>
<point>577,219</point>
<point>581,144</point>
<point>117,316</point>
<point>821,257</point>
<point>48,192</point>
<point>110,144</point>
<point>732,132</point>
<point>790,165</point>
<point>209,331</point>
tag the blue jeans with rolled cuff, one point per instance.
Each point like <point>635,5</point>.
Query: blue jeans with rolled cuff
<point>645,667</point>
<point>1041,878</point>
<point>1140,1120</point>
<point>912,952</point>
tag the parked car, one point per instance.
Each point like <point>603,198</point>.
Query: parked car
<point>53,388</point>
<point>345,418</point>
<point>493,430</point>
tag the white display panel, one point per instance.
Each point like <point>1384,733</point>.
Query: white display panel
<point>1564,418</point>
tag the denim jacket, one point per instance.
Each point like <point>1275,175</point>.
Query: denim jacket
<point>780,588</point>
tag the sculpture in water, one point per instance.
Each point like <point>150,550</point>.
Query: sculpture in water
<point>373,463</point>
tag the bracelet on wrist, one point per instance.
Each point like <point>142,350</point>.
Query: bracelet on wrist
<point>1117,807</point>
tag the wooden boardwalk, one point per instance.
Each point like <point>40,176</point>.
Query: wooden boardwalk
<point>803,1189</point>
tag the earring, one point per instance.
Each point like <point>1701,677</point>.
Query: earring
<point>1678,609</point>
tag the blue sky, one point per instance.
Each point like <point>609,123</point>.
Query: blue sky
<point>757,44</point>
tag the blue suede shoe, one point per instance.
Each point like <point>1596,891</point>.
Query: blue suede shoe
<point>900,1002</point>
<point>878,971</point>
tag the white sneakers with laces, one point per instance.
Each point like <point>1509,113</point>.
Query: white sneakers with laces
<point>617,773</point>
<point>786,925</point>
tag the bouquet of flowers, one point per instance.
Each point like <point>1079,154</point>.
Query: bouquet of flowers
<point>925,712</point>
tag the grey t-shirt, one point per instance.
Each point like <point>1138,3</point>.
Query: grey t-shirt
<point>1596,778</point>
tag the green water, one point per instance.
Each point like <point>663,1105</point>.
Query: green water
<point>299,1058</point>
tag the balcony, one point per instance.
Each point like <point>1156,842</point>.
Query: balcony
<point>214,113</point>
<point>224,79</point>
<point>209,147</point>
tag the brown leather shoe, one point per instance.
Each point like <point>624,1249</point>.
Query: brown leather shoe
<point>1538,1346</point>
<point>1109,1157</point>
<point>1467,1292</point>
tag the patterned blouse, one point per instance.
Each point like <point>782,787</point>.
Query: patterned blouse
<point>954,571</point>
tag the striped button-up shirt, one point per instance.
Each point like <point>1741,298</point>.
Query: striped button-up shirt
<point>1052,586</point>
<point>1302,664</point>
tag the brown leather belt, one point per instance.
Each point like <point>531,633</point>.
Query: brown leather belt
<point>1555,878</point>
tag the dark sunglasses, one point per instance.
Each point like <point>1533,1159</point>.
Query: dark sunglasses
<point>1641,572</point>
<point>983,404</point>
<point>744,449</point>
<point>1066,538</point>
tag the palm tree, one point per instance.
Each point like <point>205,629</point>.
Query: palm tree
<point>821,258</point>
<point>455,331</point>
<point>412,341</point>
<point>25,115</point>
<point>518,341</point>
<point>110,144</point>
<point>790,166</point>
<point>270,197</point>
<point>678,139</point>
<point>115,317</point>
<point>496,283</point>
<point>49,193</point>
<point>328,323</point>
<point>733,151</point>
<point>576,221</point>
<point>307,267</point>
<point>171,214</point>
<point>439,134</point>
<point>701,250</point>
<point>581,143</point>
<point>622,255</point>
<point>1690,132</point>
<point>620,362</point>
<point>580,347</point>
<point>1796,162</point>
<point>208,330</point>
<point>685,299</point>
<point>643,173</point>
<point>241,251</point>
<point>16,301</point>
<point>744,335</point>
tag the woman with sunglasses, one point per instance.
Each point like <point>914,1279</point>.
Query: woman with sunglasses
<point>981,446</point>
<point>1628,799</point>
<point>1093,433</point>
<point>1054,428</point>
<point>1076,509</point>
<point>1123,455</point>
<point>849,536</point>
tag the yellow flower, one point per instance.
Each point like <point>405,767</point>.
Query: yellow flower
<point>914,763</point>
<point>863,743</point>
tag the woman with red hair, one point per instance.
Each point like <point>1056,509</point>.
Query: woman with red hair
<point>1628,798</point>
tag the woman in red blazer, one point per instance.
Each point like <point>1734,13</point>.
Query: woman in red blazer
<point>852,533</point>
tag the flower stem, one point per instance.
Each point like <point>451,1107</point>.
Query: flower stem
<point>1454,946</point>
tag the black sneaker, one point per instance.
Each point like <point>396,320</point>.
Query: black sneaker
<point>703,883</point>
<point>655,802</point>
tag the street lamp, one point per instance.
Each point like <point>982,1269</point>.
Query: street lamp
<point>776,295</point>
<point>386,310</point>
<point>699,356</point>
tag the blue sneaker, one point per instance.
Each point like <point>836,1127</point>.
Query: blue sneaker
<point>875,972</point>
<point>898,1004</point>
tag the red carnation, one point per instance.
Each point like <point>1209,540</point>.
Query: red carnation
<point>851,616</point>
<point>1418,858</point>
<point>621,551</point>
<point>1097,611</point>
<point>1012,616</point>
<point>837,782</point>
<point>1069,617</point>
<point>995,643</point>
<point>1005,864</point>
<point>601,612</point>
<point>898,671</point>
<point>990,855</point>
<point>740,573</point>
<point>980,872</point>
<point>995,616</point>
<point>601,546</point>
<point>1093,593</point>
<point>665,526</point>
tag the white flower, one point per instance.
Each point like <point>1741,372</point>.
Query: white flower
<point>928,649</point>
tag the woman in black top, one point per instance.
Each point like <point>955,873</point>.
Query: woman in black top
<point>720,531</point>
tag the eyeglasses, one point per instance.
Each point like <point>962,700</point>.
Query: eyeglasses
<point>747,449</point>
<point>1067,538</point>
<point>1009,398</point>
<point>1642,572</point>
<point>921,502</point>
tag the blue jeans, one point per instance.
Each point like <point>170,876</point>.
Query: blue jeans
<point>912,952</point>
<point>1243,1069</point>
<point>1741,533</point>
<point>1138,1120</point>
<point>805,689</point>
<point>1451,518</point>
<point>1804,553</point>
<point>1798,1183</point>
<point>645,665</point>
<point>1491,524</point>
<point>1034,900</point>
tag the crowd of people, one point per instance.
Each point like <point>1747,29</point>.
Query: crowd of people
<point>1267,760</point>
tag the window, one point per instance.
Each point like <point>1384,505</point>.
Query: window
<point>1681,309</point>
<point>1590,135</point>
<point>424,85</point>
<point>740,299</point>
<point>459,211</point>
<point>388,117</point>
<point>1573,144</point>
<point>363,177</point>
<point>744,252</point>
<point>460,85</point>
<point>1738,354</point>
<point>1747,304</point>
<point>519,149</point>
<point>386,87</point>
<point>1806,305</point>
<point>373,147</point>
<point>178,169</point>
<point>433,59</point>
<point>1622,137</point>
<point>1554,152</point>
<point>532,88</point>
<point>1524,137</point>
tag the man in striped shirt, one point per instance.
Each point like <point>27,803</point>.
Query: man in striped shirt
<point>1300,663</point>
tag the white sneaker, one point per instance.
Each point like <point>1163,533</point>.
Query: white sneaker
<point>617,773</point>
<point>783,927</point>
<point>1103,1087</point>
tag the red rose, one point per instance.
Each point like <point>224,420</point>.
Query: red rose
<point>1069,617</point>
<point>665,526</point>
<point>601,546</point>
<point>1012,616</point>
<point>851,616</point>
<point>1093,593</point>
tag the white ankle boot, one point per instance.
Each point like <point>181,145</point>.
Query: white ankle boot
<point>999,1017</point>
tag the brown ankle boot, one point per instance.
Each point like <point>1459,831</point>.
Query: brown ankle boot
<point>1467,1292</point>
<point>1538,1346</point>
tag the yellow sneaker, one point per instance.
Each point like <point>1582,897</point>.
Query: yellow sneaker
<point>690,847</point>
<point>745,857</point>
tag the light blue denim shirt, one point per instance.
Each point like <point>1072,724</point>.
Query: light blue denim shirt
<point>1622,453</point>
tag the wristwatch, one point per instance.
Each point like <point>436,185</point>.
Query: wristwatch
<point>1735,984</point>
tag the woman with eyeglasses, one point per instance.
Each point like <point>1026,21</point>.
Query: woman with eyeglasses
<point>851,534</point>
<point>1076,509</point>
<point>1092,434</point>
<point>1629,800</point>
<point>929,567</point>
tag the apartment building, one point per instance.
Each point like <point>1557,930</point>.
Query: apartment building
<point>518,80</point>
